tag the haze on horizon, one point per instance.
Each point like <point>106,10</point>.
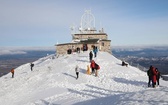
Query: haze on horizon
<point>45,23</point>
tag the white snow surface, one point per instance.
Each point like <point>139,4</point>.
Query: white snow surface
<point>53,82</point>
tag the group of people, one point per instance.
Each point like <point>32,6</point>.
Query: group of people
<point>94,69</point>
<point>13,70</point>
<point>93,65</point>
<point>95,50</point>
<point>154,76</point>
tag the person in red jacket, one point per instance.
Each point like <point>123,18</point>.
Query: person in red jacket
<point>12,71</point>
<point>92,66</point>
<point>97,67</point>
<point>154,74</point>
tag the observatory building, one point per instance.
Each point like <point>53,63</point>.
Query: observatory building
<point>86,37</point>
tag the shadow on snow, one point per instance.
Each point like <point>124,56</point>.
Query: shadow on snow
<point>126,81</point>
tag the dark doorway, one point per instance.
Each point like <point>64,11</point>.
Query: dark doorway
<point>85,47</point>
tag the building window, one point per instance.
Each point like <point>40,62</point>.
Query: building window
<point>102,43</point>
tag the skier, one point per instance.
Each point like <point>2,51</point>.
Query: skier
<point>157,76</point>
<point>77,71</point>
<point>90,56</point>
<point>31,65</point>
<point>97,67</point>
<point>149,73</point>
<point>92,66</point>
<point>12,71</point>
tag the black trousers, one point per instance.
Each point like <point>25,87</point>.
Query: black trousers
<point>157,81</point>
<point>93,70</point>
<point>153,84</point>
<point>77,75</point>
<point>149,81</point>
<point>95,54</point>
<point>12,75</point>
<point>90,58</point>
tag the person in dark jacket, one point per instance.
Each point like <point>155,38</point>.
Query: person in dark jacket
<point>149,73</point>
<point>78,50</point>
<point>124,64</point>
<point>157,76</point>
<point>31,65</point>
<point>77,71</point>
<point>90,56</point>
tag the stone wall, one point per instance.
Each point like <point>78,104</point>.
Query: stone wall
<point>105,46</point>
<point>102,46</point>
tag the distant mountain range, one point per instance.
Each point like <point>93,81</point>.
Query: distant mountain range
<point>10,60</point>
<point>144,56</point>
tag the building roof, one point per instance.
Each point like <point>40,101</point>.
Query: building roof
<point>105,40</point>
<point>81,42</point>
<point>90,34</point>
<point>89,41</point>
<point>65,44</point>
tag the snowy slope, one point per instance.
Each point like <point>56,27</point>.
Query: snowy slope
<point>53,82</point>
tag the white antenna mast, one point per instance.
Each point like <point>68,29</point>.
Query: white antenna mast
<point>87,22</point>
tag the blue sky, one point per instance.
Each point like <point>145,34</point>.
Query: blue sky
<point>46,22</point>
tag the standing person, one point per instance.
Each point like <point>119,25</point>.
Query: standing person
<point>157,76</point>
<point>154,73</point>
<point>90,56</point>
<point>12,71</point>
<point>31,65</point>
<point>95,50</point>
<point>77,71</point>
<point>97,67</point>
<point>149,73</point>
<point>92,66</point>
<point>78,50</point>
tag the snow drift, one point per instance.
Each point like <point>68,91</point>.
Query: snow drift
<point>53,82</point>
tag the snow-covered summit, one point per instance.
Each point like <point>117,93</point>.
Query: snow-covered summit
<point>53,82</point>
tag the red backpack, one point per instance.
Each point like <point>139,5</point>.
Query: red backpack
<point>97,67</point>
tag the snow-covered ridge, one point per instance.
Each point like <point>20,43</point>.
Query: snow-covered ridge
<point>53,81</point>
